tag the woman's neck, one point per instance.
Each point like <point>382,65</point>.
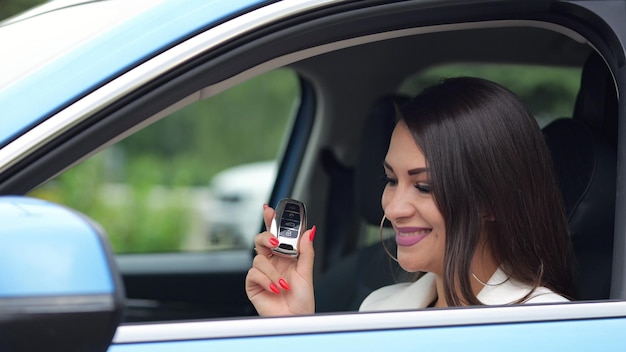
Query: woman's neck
<point>483,267</point>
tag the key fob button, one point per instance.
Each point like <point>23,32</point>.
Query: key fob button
<point>289,224</point>
<point>292,207</point>
<point>289,233</point>
<point>287,215</point>
<point>286,246</point>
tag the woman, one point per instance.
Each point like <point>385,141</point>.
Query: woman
<point>474,202</point>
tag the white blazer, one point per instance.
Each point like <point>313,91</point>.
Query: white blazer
<point>421,293</point>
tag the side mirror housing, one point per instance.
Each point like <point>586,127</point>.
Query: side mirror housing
<point>60,289</point>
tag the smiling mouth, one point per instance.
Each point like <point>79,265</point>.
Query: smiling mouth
<point>409,236</point>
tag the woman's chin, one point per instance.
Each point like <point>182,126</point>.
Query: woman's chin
<point>408,263</point>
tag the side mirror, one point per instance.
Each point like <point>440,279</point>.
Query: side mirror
<point>59,287</point>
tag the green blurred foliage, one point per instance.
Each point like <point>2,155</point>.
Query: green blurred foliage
<point>141,189</point>
<point>133,222</point>
<point>241,125</point>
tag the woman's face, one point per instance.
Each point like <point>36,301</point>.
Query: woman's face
<point>409,205</point>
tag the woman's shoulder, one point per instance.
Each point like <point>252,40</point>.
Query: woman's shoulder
<point>501,289</point>
<point>545,295</point>
<point>401,296</point>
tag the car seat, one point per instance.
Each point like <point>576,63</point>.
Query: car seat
<point>584,153</point>
<point>596,103</point>
<point>344,286</point>
<point>586,169</point>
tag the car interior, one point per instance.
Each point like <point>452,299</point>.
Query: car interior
<point>586,170</point>
<point>352,66</point>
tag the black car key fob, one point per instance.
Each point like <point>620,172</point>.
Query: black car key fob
<point>288,224</point>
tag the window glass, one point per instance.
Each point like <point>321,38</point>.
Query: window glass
<point>193,181</point>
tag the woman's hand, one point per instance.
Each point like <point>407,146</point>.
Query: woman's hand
<point>278,285</point>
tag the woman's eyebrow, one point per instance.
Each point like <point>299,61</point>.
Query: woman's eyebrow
<point>416,171</point>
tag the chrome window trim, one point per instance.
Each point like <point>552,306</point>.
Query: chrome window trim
<point>330,323</point>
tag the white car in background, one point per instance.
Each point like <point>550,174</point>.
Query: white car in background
<point>236,212</point>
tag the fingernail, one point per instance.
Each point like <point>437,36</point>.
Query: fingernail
<point>273,241</point>
<point>274,289</point>
<point>312,233</point>
<point>283,284</point>
<point>265,205</point>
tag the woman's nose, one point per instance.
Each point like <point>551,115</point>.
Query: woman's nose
<point>396,204</point>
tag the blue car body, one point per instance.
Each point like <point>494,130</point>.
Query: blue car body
<point>116,47</point>
<point>120,48</point>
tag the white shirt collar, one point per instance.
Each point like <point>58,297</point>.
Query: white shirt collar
<point>499,290</point>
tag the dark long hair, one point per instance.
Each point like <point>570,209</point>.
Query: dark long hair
<point>487,155</point>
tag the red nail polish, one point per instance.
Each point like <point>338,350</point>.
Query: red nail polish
<point>283,284</point>
<point>273,241</point>
<point>274,289</point>
<point>312,234</point>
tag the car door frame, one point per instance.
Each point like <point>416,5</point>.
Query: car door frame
<point>148,101</point>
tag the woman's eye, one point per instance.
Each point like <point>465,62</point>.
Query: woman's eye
<point>423,187</point>
<point>389,180</point>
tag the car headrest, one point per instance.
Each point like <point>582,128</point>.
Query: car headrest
<point>586,168</point>
<point>596,103</point>
<point>374,144</point>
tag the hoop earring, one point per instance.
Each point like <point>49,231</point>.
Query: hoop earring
<point>380,232</point>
